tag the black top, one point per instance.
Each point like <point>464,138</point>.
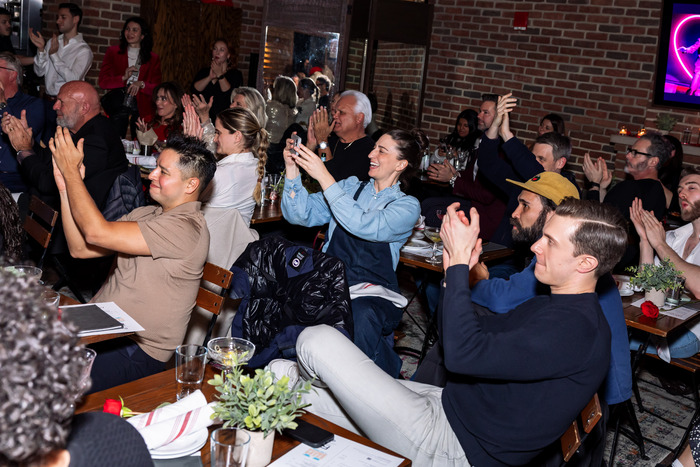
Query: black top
<point>222,100</point>
<point>104,161</point>
<point>6,45</point>
<point>349,159</point>
<point>517,380</point>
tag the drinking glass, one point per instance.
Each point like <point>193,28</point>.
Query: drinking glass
<point>51,298</point>
<point>673,297</point>
<point>229,447</point>
<point>190,361</point>
<point>433,234</point>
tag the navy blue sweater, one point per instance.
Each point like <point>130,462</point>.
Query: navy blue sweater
<point>517,380</point>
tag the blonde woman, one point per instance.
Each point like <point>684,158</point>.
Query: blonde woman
<point>281,110</point>
<point>241,145</point>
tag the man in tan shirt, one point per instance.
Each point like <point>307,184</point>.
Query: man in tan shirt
<point>161,251</point>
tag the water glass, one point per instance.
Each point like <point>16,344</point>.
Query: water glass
<point>673,297</point>
<point>190,362</point>
<point>229,447</point>
<point>51,298</point>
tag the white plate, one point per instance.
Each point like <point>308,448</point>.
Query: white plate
<point>626,293</point>
<point>416,243</point>
<point>182,446</point>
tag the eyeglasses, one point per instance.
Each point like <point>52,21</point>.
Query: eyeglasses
<point>8,69</point>
<point>636,153</point>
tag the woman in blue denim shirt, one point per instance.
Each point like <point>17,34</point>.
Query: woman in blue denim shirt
<point>368,224</point>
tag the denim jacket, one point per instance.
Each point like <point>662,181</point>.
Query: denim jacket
<point>387,216</point>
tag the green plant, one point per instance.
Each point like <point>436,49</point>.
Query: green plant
<point>665,122</point>
<point>660,276</point>
<point>258,403</point>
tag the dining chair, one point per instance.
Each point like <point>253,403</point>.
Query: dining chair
<point>211,301</point>
<point>40,224</point>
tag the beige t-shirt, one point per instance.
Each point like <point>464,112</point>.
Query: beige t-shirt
<point>159,291</point>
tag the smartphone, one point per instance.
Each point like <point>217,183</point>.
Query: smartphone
<point>296,141</point>
<point>309,434</point>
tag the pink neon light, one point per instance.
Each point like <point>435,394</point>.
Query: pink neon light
<point>675,42</point>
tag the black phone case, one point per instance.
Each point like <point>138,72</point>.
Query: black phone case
<point>309,434</point>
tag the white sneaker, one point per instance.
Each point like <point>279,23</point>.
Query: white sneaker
<point>281,367</point>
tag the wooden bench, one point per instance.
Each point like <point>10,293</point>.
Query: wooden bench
<point>691,365</point>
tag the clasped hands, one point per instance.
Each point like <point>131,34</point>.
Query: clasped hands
<point>647,225</point>
<point>460,237</point>
<point>67,157</point>
<point>596,172</point>
<point>18,130</point>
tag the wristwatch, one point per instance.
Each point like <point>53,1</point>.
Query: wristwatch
<point>322,145</point>
<point>454,178</point>
<point>3,105</point>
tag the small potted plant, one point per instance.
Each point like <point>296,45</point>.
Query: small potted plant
<point>665,123</point>
<point>655,280</point>
<point>258,405</point>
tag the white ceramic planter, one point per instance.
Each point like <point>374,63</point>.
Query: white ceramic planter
<point>260,450</point>
<point>657,297</point>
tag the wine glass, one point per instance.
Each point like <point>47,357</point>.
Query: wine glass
<point>229,351</point>
<point>433,234</point>
<point>440,213</point>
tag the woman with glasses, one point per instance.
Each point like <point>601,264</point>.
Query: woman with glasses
<point>168,109</point>
<point>130,71</point>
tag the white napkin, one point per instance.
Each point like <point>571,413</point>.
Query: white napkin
<point>146,161</point>
<point>166,424</point>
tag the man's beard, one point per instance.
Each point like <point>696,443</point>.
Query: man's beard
<point>528,235</point>
<point>692,212</point>
<point>66,121</point>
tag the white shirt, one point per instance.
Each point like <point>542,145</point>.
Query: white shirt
<point>70,63</point>
<point>233,184</point>
<point>677,239</point>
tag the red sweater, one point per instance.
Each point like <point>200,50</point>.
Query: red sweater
<point>112,70</point>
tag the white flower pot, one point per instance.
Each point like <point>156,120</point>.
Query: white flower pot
<point>260,450</point>
<point>657,297</point>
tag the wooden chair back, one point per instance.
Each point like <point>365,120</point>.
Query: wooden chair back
<point>572,438</point>
<point>210,301</point>
<point>39,224</point>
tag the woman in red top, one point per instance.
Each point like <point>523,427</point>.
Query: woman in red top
<point>130,66</point>
<point>168,109</point>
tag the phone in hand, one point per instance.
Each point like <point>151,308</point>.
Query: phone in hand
<point>296,141</point>
<point>309,434</point>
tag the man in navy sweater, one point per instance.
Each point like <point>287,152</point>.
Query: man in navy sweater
<point>516,380</point>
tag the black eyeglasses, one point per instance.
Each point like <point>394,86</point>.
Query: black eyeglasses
<point>636,153</point>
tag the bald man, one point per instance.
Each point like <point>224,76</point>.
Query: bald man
<point>78,109</point>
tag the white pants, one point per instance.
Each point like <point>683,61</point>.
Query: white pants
<point>404,416</point>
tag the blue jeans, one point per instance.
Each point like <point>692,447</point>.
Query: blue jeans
<point>681,345</point>
<point>120,361</point>
<point>374,322</point>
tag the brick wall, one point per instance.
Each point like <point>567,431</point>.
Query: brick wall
<point>103,21</point>
<point>591,62</point>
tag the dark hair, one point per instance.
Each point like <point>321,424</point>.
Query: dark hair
<point>195,159</point>
<point>5,12</point>
<point>557,123</point>
<point>690,170</point>
<point>255,138</point>
<point>325,80</point>
<point>11,231</point>
<point>561,145</point>
<point>74,9</point>
<point>601,231</point>
<point>309,85</point>
<point>471,117</point>
<point>146,42</point>
<point>229,46</point>
<point>658,148</point>
<point>490,98</point>
<point>42,366</point>
<point>172,89</point>
<point>669,174</point>
<point>410,145</point>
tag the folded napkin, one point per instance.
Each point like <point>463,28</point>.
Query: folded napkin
<point>147,161</point>
<point>365,289</point>
<point>166,424</point>
<point>422,250</point>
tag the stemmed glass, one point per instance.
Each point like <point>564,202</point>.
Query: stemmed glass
<point>433,234</point>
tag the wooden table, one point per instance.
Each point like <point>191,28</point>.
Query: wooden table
<point>271,212</point>
<point>87,340</point>
<point>487,255</point>
<point>146,394</point>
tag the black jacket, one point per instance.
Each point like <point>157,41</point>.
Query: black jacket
<point>284,288</point>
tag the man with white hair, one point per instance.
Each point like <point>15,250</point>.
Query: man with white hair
<point>347,148</point>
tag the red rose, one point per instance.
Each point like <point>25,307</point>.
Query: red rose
<point>113,406</point>
<point>650,310</point>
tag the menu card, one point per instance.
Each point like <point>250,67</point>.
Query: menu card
<point>99,318</point>
<point>340,452</point>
